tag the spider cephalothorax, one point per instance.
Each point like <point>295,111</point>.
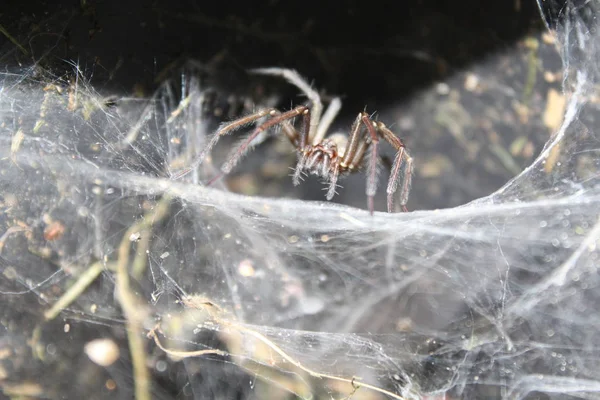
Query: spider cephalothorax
<point>328,157</point>
<point>323,160</point>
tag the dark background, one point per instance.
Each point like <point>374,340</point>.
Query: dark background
<point>369,51</point>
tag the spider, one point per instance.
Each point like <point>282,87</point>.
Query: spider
<point>328,157</point>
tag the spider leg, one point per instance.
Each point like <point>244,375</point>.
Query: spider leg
<point>351,148</point>
<point>277,118</point>
<point>301,146</point>
<point>289,131</point>
<point>306,115</point>
<point>330,113</point>
<point>299,168</point>
<point>359,154</point>
<point>296,79</point>
<point>332,183</point>
<point>372,169</point>
<point>396,175</point>
<point>224,130</point>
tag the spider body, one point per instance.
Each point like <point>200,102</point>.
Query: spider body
<point>327,157</point>
<point>323,160</point>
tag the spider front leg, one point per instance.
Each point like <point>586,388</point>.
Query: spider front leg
<point>396,173</point>
<point>372,168</point>
<point>225,129</point>
<point>277,118</point>
<point>357,148</point>
<point>297,80</point>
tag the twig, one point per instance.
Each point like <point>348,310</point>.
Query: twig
<point>140,261</point>
<point>75,291</point>
<point>130,303</point>
<point>356,384</point>
<point>354,381</point>
<point>13,40</point>
<point>10,231</point>
<point>179,353</point>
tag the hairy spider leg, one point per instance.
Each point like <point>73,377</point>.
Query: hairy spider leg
<point>301,146</point>
<point>297,80</point>
<point>333,183</point>
<point>305,129</point>
<point>372,169</point>
<point>359,155</point>
<point>355,139</point>
<point>277,118</point>
<point>396,173</point>
<point>223,130</point>
<point>329,115</point>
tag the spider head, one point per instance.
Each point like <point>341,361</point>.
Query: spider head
<point>321,159</point>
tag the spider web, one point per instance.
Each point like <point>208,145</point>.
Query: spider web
<point>495,298</point>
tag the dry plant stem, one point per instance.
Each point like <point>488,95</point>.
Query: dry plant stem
<point>356,384</point>
<point>75,291</point>
<point>133,133</point>
<point>178,353</point>
<point>272,376</point>
<point>140,262</point>
<point>131,305</point>
<point>13,40</point>
<point>10,231</point>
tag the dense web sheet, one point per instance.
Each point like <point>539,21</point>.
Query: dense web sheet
<point>495,298</point>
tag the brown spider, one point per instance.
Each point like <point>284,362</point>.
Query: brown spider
<point>319,154</point>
